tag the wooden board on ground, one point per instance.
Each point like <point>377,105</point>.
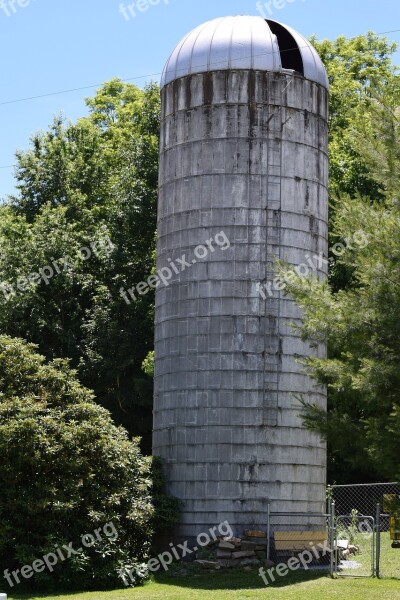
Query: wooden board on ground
<point>299,540</point>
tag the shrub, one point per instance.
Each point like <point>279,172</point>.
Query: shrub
<point>65,471</point>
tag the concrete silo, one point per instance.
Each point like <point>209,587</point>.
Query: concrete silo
<point>243,152</point>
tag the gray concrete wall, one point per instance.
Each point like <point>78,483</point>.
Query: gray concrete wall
<point>242,152</point>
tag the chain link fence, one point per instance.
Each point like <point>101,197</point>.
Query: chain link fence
<point>363,498</point>
<point>354,545</point>
<point>356,537</point>
<point>302,539</point>
<point>364,517</point>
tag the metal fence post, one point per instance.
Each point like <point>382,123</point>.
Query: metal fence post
<point>329,509</point>
<point>373,547</point>
<point>378,541</point>
<point>268,529</point>
<point>332,535</point>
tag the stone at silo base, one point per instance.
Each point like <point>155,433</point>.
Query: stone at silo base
<point>226,546</point>
<point>249,545</point>
<point>231,552</point>
<point>232,540</point>
<point>246,554</point>
<point>228,564</point>
<point>258,541</point>
<point>255,534</point>
<point>224,554</point>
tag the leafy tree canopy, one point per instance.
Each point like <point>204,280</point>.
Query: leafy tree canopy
<point>362,321</point>
<point>66,471</point>
<point>93,182</point>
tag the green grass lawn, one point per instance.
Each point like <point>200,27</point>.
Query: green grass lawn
<point>236,585</point>
<point>244,586</point>
<point>390,557</point>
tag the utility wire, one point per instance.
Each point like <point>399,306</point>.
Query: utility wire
<point>155,75</point>
<point>87,87</point>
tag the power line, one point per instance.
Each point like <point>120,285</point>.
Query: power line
<point>136,78</point>
<point>79,89</point>
<point>384,32</point>
<point>87,87</point>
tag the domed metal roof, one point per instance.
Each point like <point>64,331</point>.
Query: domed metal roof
<point>244,42</point>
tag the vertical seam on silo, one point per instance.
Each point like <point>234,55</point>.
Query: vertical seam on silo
<point>193,47</point>
<point>280,354</point>
<point>231,46</point>
<point>317,70</point>
<point>264,408</point>
<point>252,63</point>
<point>178,55</point>
<point>307,46</point>
<point>276,53</point>
<point>211,44</point>
<point>164,78</point>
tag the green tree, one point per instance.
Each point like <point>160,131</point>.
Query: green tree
<point>355,66</point>
<point>79,184</point>
<point>362,322</point>
<point>66,471</point>
<point>362,327</point>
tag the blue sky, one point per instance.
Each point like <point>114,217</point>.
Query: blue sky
<point>53,45</point>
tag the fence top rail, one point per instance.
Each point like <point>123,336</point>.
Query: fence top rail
<point>370,517</point>
<point>298,514</point>
<point>352,485</point>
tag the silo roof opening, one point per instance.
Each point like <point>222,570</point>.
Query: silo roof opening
<point>288,48</point>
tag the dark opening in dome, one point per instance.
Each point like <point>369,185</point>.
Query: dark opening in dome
<point>288,48</point>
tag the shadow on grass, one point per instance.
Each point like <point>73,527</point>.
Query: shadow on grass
<point>29,595</point>
<point>236,580</point>
<point>205,580</point>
